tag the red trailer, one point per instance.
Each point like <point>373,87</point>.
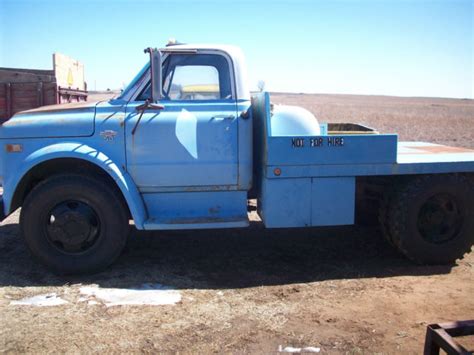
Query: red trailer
<point>24,89</point>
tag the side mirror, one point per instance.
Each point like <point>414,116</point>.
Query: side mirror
<point>155,71</point>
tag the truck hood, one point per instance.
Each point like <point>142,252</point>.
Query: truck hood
<point>66,120</point>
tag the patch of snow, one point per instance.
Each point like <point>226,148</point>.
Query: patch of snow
<point>290,349</point>
<point>311,349</point>
<point>146,294</point>
<point>50,299</point>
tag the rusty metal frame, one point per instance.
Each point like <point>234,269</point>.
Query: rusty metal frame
<point>70,94</point>
<point>440,336</point>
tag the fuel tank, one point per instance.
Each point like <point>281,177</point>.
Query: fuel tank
<point>287,121</point>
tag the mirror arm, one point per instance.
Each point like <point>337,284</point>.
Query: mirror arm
<point>145,106</point>
<point>141,108</point>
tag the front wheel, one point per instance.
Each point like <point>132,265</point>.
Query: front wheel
<point>74,224</point>
<point>430,218</point>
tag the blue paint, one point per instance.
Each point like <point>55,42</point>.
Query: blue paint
<point>307,202</point>
<point>332,201</point>
<point>356,149</point>
<point>185,210</point>
<point>185,144</point>
<point>70,120</point>
<point>285,203</point>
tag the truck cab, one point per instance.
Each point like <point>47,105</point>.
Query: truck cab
<point>185,146</point>
<point>196,147</point>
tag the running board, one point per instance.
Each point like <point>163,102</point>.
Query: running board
<point>196,210</point>
<point>195,223</point>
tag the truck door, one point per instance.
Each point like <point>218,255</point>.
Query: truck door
<point>192,141</point>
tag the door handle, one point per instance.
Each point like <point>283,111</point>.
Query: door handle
<point>223,117</point>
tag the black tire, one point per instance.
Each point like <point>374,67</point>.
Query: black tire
<point>74,224</point>
<point>430,218</point>
<point>383,217</point>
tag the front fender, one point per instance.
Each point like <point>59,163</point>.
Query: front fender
<point>79,151</point>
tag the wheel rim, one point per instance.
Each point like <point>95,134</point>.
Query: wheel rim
<point>440,219</point>
<point>72,226</point>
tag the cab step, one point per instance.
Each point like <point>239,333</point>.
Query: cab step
<point>196,210</point>
<point>196,223</point>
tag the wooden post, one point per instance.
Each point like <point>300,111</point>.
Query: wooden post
<point>40,89</point>
<point>8,95</point>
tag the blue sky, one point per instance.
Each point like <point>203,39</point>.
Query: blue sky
<point>405,48</point>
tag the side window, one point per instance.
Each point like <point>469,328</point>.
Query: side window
<point>197,77</point>
<point>194,77</point>
<point>194,82</point>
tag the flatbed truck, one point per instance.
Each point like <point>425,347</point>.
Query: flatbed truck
<point>162,156</point>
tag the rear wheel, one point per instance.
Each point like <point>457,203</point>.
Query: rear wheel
<point>430,218</point>
<point>74,224</point>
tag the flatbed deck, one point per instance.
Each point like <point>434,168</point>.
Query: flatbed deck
<point>412,158</point>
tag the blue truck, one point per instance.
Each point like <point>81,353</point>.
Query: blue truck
<point>186,146</point>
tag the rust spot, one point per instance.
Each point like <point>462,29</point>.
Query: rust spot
<point>214,210</point>
<point>105,116</point>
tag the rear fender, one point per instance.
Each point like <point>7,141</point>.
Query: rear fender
<point>79,151</point>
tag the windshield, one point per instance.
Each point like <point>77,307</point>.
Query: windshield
<point>134,81</point>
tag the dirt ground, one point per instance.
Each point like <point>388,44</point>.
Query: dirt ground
<point>343,289</point>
